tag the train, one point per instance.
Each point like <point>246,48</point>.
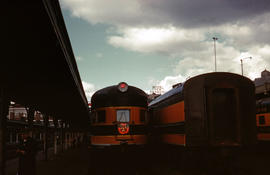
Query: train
<point>212,110</point>
<point>263,120</point>
<point>119,117</point>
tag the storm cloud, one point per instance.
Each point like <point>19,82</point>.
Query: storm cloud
<point>194,13</point>
<point>180,13</point>
<point>183,30</point>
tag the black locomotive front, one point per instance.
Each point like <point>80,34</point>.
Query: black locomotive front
<point>119,116</point>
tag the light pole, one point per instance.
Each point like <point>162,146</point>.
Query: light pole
<point>215,38</point>
<point>242,64</point>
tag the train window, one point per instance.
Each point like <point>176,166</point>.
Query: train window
<point>142,115</point>
<point>123,115</point>
<point>101,116</point>
<point>93,117</point>
<point>261,120</point>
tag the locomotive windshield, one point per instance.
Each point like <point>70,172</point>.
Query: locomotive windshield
<point>123,115</point>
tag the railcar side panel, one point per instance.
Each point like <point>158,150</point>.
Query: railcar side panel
<point>171,121</point>
<point>172,114</point>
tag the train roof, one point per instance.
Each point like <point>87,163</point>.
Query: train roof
<point>220,74</point>
<point>264,101</point>
<point>195,80</point>
<point>112,96</point>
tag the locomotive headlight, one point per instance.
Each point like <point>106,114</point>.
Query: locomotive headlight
<point>122,87</point>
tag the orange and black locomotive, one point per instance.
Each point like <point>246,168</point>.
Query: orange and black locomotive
<point>119,116</point>
<point>209,110</point>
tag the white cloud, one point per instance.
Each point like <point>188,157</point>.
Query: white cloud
<point>184,13</point>
<point>184,30</point>
<point>104,11</point>
<point>166,83</point>
<point>195,51</point>
<point>89,89</point>
<point>169,81</point>
<point>79,58</point>
<point>167,40</point>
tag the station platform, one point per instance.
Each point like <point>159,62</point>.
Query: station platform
<point>71,162</point>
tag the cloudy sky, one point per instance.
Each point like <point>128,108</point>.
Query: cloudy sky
<point>162,42</point>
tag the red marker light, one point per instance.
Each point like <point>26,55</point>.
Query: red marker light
<point>123,87</point>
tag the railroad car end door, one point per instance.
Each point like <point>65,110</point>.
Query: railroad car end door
<point>230,108</point>
<point>222,108</point>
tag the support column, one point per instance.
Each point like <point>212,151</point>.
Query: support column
<point>55,122</point>
<point>4,105</point>
<point>69,139</point>
<point>45,136</point>
<point>69,136</point>
<point>62,136</point>
<point>66,140</point>
<point>30,118</point>
<point>17,137</point>
<point>11,137</point>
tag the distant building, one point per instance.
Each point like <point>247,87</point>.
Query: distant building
<point>152,96</point>
<point>157,90</point>
<point>262,85</point>
<point>17,112</point>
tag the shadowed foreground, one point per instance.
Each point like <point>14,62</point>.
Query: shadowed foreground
<point>82,161</point>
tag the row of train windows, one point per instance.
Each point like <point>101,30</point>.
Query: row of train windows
<point>122,115</point>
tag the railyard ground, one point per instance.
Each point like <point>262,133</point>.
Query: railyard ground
<point>144,161</point>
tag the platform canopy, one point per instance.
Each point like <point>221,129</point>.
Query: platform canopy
<point>38,67</point>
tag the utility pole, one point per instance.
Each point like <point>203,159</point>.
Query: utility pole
<point>242,71</point>
<point>215,38</point>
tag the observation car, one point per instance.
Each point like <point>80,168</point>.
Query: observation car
<point>119,116</point>
<point>263,119</point>
<point>210,110</point>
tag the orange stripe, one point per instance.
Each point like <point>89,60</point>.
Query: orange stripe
<point>115,140</point>
<point>172,114</point>
<point>263,136</point>
<point>176,139</point>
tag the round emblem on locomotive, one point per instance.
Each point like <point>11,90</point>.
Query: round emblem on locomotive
<point>123,128</point>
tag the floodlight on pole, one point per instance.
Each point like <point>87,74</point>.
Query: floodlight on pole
<point>242,71</point>
<point>215,38</point>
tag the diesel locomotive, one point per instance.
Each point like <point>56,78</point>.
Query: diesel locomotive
<point>118,116</point>
<point>207,111</point>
